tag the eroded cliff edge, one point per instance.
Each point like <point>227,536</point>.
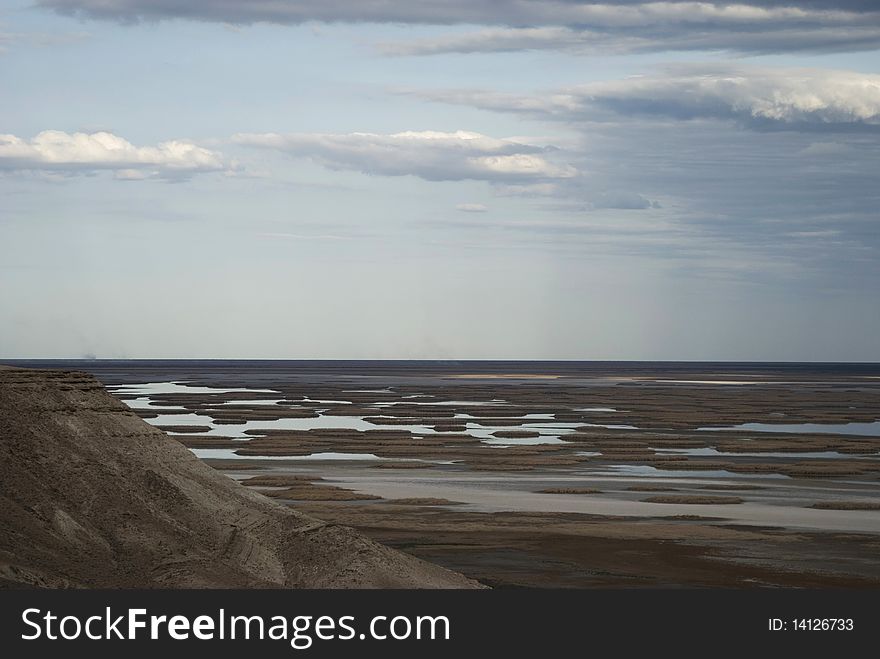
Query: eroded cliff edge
<point>92,496</point>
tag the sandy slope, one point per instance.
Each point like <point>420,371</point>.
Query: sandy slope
<point>92,496</point>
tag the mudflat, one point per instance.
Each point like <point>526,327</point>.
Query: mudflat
<point>561,474</point>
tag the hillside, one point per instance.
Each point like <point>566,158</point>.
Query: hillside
<point>92,496</point>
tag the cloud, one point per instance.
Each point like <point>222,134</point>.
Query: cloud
<point>472,208</point>
<point>623,200</point>
<point>823,149</point>
<point>430,155</point>
<point>679,165</point>
<point>513,167</point>
<point>479,12</point>
<point>83,153</point>
<point>40,39</point>
<point>303,236</point>
<point>746,26</point>
<point>808,99</point>
<point>823,37</point>
<point>718,189</point>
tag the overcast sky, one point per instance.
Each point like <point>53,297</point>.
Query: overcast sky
<point>456,179</point>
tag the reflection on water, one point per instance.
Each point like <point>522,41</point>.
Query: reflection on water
<point>314,423</point>
<point>536,416</point>
<point>230,454</point>
<point>756,454</point>
<point>646,470</point>
<point>518,441</point>
<point>548,430</point>
<point>449,403</point>
<point>144,403</point>
<point>869,429</point>
<point>154,388</point>
<point>722,382</point>
<point>181,420</point>
<point>481,428</point>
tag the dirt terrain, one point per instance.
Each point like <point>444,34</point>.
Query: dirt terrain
<point>551,474</point>
<point>92,496</point>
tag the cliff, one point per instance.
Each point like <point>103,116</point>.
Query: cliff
<point>92,496</point>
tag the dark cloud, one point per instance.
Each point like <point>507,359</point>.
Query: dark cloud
<point>667,171</point>
<point>522,13</point>
<point>572,25</point>
<point>748,203</point>
<point>822,36</point>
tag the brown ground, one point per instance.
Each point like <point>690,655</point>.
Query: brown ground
<point>847,505</point>
<point>693,500</point>
<point>557,550</point>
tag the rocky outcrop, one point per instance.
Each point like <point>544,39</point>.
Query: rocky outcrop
<point>92,496</point>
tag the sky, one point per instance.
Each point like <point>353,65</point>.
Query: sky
<point>440,179</point>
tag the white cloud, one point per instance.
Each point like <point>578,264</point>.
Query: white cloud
<point>472,208</point>
<point>130,175</point>
<point>792,98</point>
<point>430,155</point>
<point>54,150</point>
<point>822,149</point>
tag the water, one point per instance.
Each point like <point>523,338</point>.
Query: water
<point>155,388</point>
<point>712,382</point>
<point>144,403</point>
<point>757,454</point>
<point>449,403</point>
<point>646,470</point>
<point>549,431</point>
<point>315,423</point>
<point>865,429</point>
<point>230,454</point>
<point>181,420</point>
<point>516,441</point>
<point>535,417</point>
